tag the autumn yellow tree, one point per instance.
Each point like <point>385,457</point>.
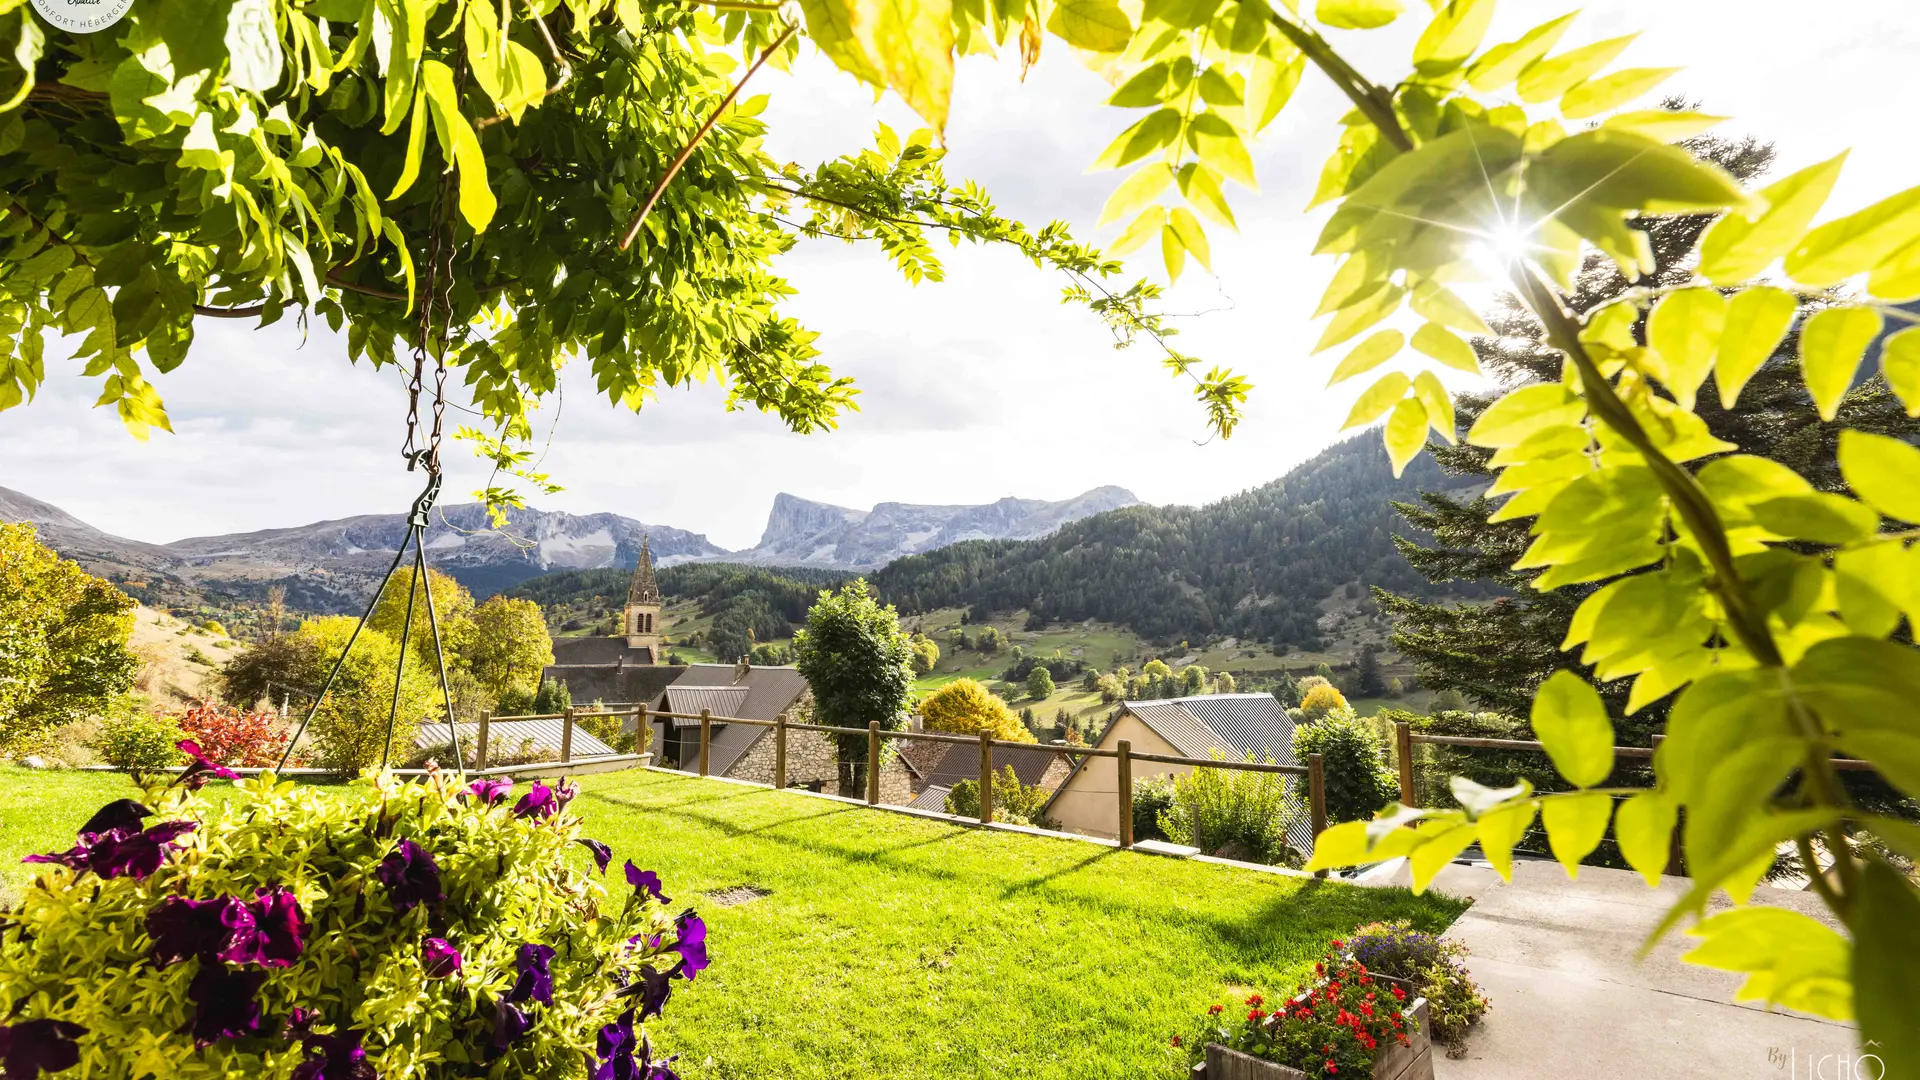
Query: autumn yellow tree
<point>965,707</point>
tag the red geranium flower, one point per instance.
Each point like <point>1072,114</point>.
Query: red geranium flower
<point>1176,1040</point>
<point>1214,1010</point>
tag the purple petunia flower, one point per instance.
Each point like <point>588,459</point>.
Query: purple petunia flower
<point>509,1023</point>
<point>438,958</point>
<point>226,1004</point>
<point>564,794</point>
<point>602,854</point>
<point>200,769</point>
<point>535,981</point>
<point>654,988</point>
<point>32,1047</point>
<point>692,945</point>
<point>615,1045</point>
<point>334,1057</point>
<point>118,852</point>
<point>300,1022</point>
<point>645,882</point>
<point>123,815</point>
<point>537,803</point>
<point>491,792</point>
<point>279,930</point>
<point>411,876</point>
<point>212,929</point>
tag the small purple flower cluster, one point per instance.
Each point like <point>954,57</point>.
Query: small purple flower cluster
<point>114,844</point>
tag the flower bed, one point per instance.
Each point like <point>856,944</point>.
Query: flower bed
<point>397,929</point>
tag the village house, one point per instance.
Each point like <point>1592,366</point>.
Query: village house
<point>937,767</point>
<point>1239,726</point>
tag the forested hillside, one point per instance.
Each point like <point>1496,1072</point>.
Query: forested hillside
<point>747,604</point>
<point>1255,565</point>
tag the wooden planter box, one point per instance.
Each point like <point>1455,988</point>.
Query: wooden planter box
<point>1396,1062</point>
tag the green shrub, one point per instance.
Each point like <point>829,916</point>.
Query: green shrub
<point>1359,782</point>
<point>388,929</point>
<point>1434,966</point>
<point>1239,814</point>
<point>350,729</point>
<point>131,737</point>
<point>1152,796</point>
<point>1013,802</point>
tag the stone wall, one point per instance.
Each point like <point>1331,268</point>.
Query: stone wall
<point>812,757</point>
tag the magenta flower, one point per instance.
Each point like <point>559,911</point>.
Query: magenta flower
<point>32,1047</point>
<point>212,929</point>
<point>654,988</point>
<point>509,1023</point>
<point>602,854</point>
<point>334,1057</point>
<point>535,981</point>
<point>645,883</point>
<point>300,1022</point>
<point>692,945</point>
<point>119,852</point>
<point>491,792</point>
<point>538,803</point>
<point>564,794</point>
<point>226,1004</point>
<point>201,769</point>
<point>123,815</point>
<point>615,1045</point>
<point>279,931</point>
<point>438,958</point>
<point>411,876</point>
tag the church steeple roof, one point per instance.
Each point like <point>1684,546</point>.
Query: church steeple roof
<point>644,590</point>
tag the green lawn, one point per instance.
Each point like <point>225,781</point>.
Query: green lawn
<point>891,946</point>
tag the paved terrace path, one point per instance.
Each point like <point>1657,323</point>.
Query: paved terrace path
<point>1570,999</point>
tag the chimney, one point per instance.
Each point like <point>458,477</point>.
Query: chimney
<point>740,670</point>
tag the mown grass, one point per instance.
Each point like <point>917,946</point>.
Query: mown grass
<point>891,946</point>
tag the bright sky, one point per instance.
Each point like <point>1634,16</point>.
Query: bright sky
<point>977,388</point>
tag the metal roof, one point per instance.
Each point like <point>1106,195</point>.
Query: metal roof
<point>955,762</point>
<point>763,693</point>
<point>724,701</point>
<point>503,735</point>
<point>934,798</point>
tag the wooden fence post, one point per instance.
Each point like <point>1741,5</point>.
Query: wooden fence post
<point>780,752</point>
<point>1123,774</point>
<point>1317,798</point>
<point>873,763</point>
<point>706,738</point>
<point>642,729</point>
<point>1403,749</point>
<point>480,749</point>
<point>566,736</point>
<point>1676,851</point>
<point>986,778</point>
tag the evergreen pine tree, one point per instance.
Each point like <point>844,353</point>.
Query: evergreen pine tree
<point>1498,653</point>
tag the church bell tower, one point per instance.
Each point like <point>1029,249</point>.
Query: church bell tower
<point>643,608</point>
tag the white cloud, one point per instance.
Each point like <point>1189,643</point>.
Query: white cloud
<point>979,387</point>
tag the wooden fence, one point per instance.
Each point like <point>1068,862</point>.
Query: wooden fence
<point>1122,753</point>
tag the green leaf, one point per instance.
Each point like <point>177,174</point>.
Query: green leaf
<point>1575,825</point>
<point>1144,228</point>
<point>1152,132</point>
<point>1216,89</point>
<point>1360,315</point>
<point>1500,830</point>
<point>1377,399</point>
<point>1441,843</point>
<point>201,147</point>
<point>1831,345</point>
<point>1147,88</point>
<point>1738,247</point>
<point>1095,25</point>
<point>1437,303</point>
<point>1897,277</point>
<point>1644,830</point>
<point>416,147</point>
<point>1571,722</point>
<point>1202,191</point>
<point>1478,799</point>
<point>1450,39</point>
<point>1612,169</point>
<point>1547,79</point>
<point>26,56</point>
<point>1684,329</point>
<point>1221,149</point>
<point>830,26</point>
<point>1606,92</point>
<point>1886,982</point>
<point>1856,243</point>
<point>1406,432</point>
<point>477,204</point>
<point>1443,345</point>
<point>1360,275</point>
<point>1872,584</point>
<point>1900,362</point>
<point>911,41</point>
<point>1192,237</point>
<point>1270,86</point>
<point>1661,125</point>
<point>1757,320</point>
<point>1141,188</point>
<point>254,59</point>
<point>1883,472</point>
<point>1437,403</point>
<point>1789,958</point>
<point>401,62</point>
<point>1357,14</point>
<point>1369,354</point>
<point>1522,412</point>
<point>1818,516</point>
<point>1172,252</point>
<point>1503,64</point>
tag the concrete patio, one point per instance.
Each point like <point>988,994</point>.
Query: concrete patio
<point>1571,999</point>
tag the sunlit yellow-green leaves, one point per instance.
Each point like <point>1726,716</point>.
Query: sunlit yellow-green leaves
<point>1884,472</point>
<point>1437,303</point>
<point>1546,79</point>
<point>1662,125</point>
<point>1757,320</point>
<point>459,143</point>
<point>1884,979</point>
<point>1502,64</point>
<point>1857,242</point>
<point>1359,316</point>
<point>1607,92</point>
<point>1220,148</point>
<point>1406,431</point>
<point>902,45</point>
<point>1643,827</point>
<point>1575,825</point>
<point>1831,346</point>
<point>1900,362</point>
<point>1358,14</point>
<point>1369,354</point>
<point>1095,25</point>
<point>1378,398</point>
<point>1739,246</point>
<point>1144,186</point>
<point>1572,724</point>
<point>1788,958</point>
<point>1453,35</point>
<point>1445,346</point>
<point>1684,330</point>
<point>1436,404</point>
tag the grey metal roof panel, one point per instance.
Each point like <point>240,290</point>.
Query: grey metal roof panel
<point>1243,725</point>
<point>1178,726</point>
<point>934,798</point>
<point>722,701</point>
<point>958,762</point>
<point>508,733</point>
